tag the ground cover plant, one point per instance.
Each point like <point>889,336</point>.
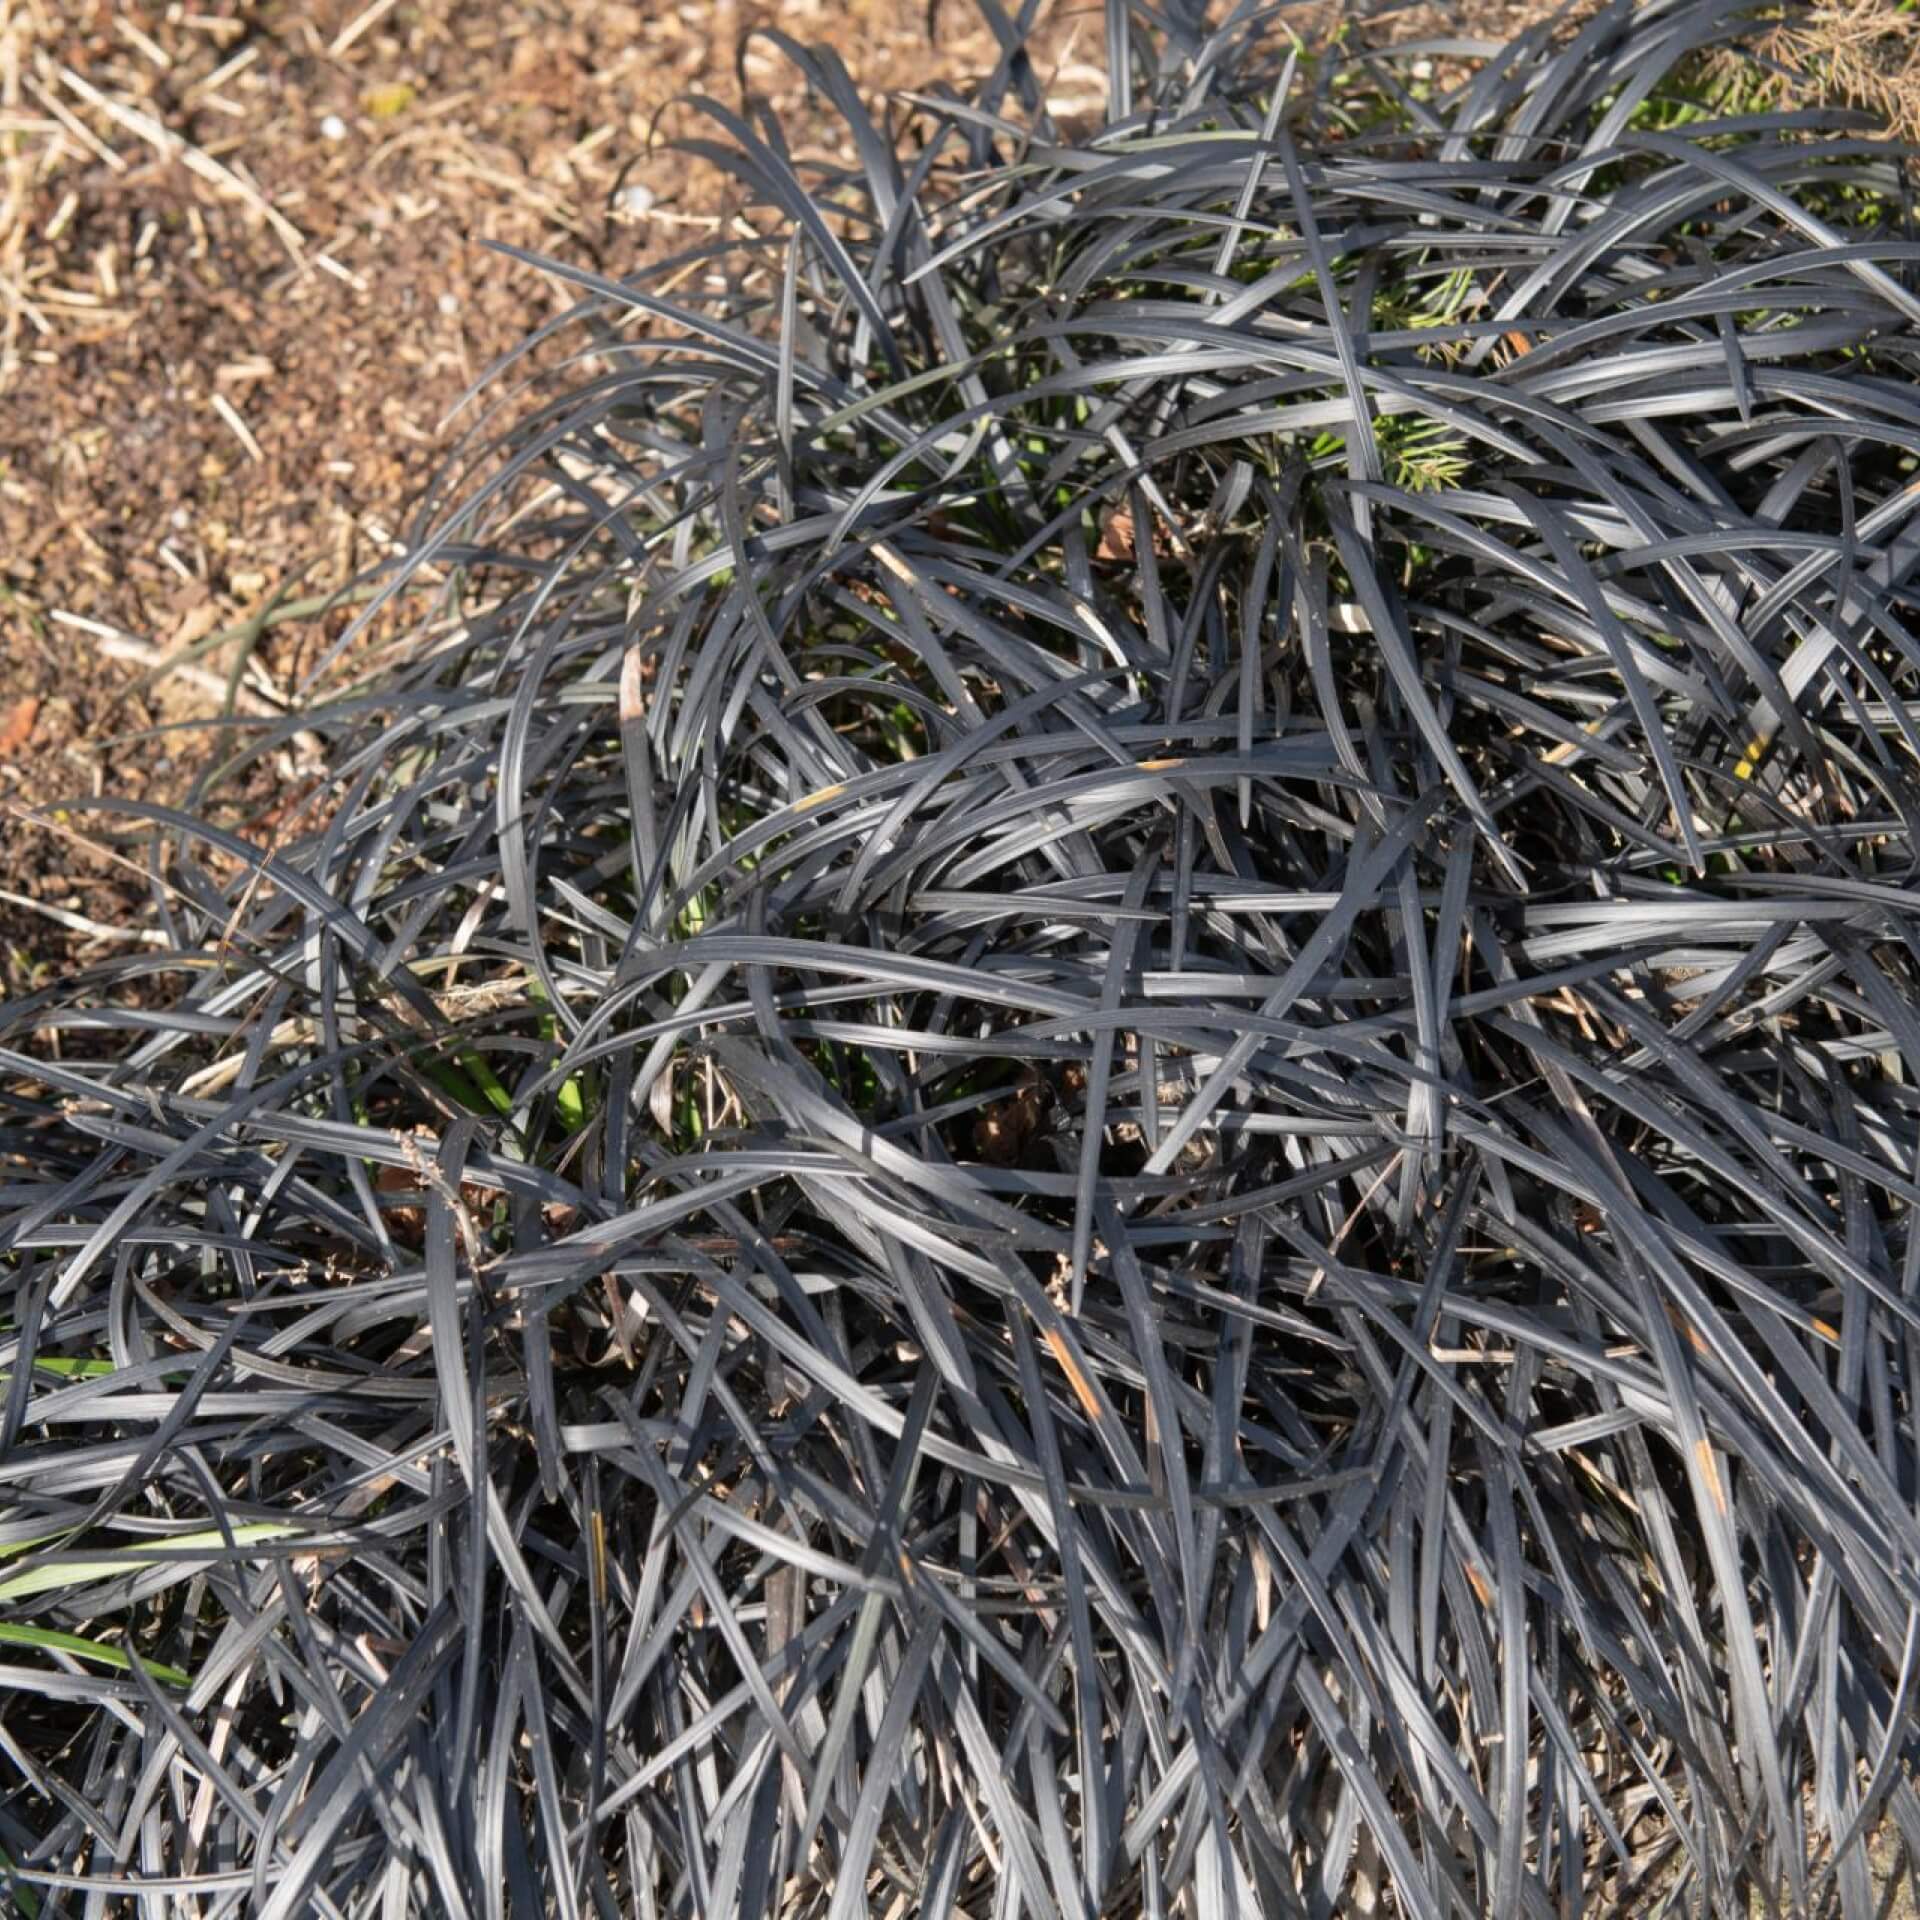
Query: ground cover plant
<point>1093,1092</point>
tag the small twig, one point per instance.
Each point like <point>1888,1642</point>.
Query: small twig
<point>79,923</point>
<point>223,1073</point>
<point>24,307</point>
<point>45,822</point>
<point>357,26</point>
<point>428,1173</point>
<point>1347,1225</point>
<point>241,431</point>
<point>143,44</point>
<point>174,147</point>
<point>255,624</point>
<point>226,70</point>
<point>78,128</point>
<point>124,646</point>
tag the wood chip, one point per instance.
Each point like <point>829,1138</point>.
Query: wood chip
<point>17,729</point>
<point>351,32</point>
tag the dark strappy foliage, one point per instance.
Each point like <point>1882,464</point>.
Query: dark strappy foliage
<point>1095,1093</point>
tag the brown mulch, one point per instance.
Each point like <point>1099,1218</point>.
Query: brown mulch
<point>243,280</point>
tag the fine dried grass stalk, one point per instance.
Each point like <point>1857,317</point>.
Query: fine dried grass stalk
<point>1857,53</point>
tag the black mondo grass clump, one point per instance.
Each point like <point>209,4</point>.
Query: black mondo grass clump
<point>1095,1092</point>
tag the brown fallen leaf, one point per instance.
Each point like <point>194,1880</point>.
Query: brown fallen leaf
<point>18,727</point>
<point>1001,1133</point>
<point>1116,535</point>
<point>1118,538</point>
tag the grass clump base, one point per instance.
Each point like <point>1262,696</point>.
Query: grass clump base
<point>1095,1095</point>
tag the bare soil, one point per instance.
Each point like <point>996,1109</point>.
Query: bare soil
<point>243,280</point>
